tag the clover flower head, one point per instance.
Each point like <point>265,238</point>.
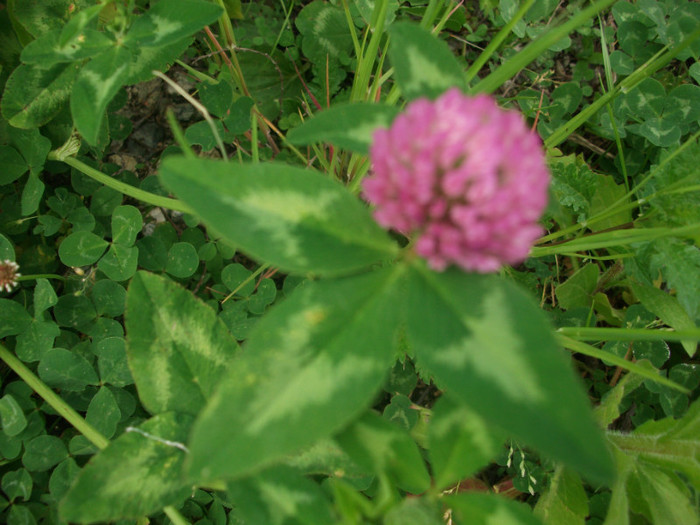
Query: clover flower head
<point>8,275</point>
<point>464,177</point>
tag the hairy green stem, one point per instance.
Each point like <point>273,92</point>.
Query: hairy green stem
<point>121,187</point>
<point>609,239</point>
<point>628,334</point>
<point>592,351</point>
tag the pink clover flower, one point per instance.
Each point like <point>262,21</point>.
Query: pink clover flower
<point>467,179</point>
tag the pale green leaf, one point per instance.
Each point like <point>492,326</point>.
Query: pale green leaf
<point>47,51</point>
<point>565,500</point>
<point>177,347</point>
<point>491,347</point>
<point>424,65</point>
<point>382,447</point>
<point>281,495</point>
<point>137,474</point>
<point>95,86</point>
<point>311,365</point>
<point>34,95</point>
<point>461,442</point>
<point>668,309</point>
<point>348,126</point>
<point>169,21</point>
<point>295,219</point>
<point>490,509</point>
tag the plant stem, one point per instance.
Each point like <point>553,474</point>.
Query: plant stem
<point>592,351</point>
<point>609,239</point>
<point>48,395</point>
<point>628,334</point>
<point>121,187</point>
<point>36,276</point>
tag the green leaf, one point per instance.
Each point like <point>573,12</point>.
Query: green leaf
<point>109,298</point>
<point>264,296</point>
<point>66,370</point>
<point>679,263</point>
<point>46,51</point>
<point>20,515</point>
<point>683,104</point>
<point>294,219</point>
<point>63,477</point>
<point>325,33</point>
<point>461,442</point>
<point>423,65</point>
<point>577,290</point>
<point>281,495</point>
<point>311,365</point>
<point>112,362</point>
<point>7,250</point>
<point>13,420</point>
<point>43,452</point>
<point>675,188</point>
<point>78,23</point>
<point>39,17</point>
<point>178,349</point>
<point>31,194</point>
<point>234,275</point>
<point>565,500</point>
<point>126,225</point>
<point>146,59</point>
<point>492,348</point>
<point>609,408</point>
<point>103,412</point>
<point>14,319</point>
<point>36,340</point>
<point>170,21</point>
<point>44,297</point>
<point>415,511</point>
<point>14,165</point>
<point>567,98</point>
<point>348,126</point>
<point>120,262</point>
<point>17,484</point>
<point>607,193</point>
<point>661,497</point>
<point>137,474</point>
<point>33,146</point>
<point>366,9</point>
<point>183,260</point>
<point>672,444</point>
<point>81,249</point>
<point>660,131</point>
<point>489,508</point>
<point>74,311</point>
<point>668,309</point>
<point>95,86</point>
<point>645,101</point>
<point>34,95</point>
<point>573,184</point>
<point>382,447</point>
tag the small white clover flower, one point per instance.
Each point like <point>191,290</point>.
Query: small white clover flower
<point>8,275</point>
